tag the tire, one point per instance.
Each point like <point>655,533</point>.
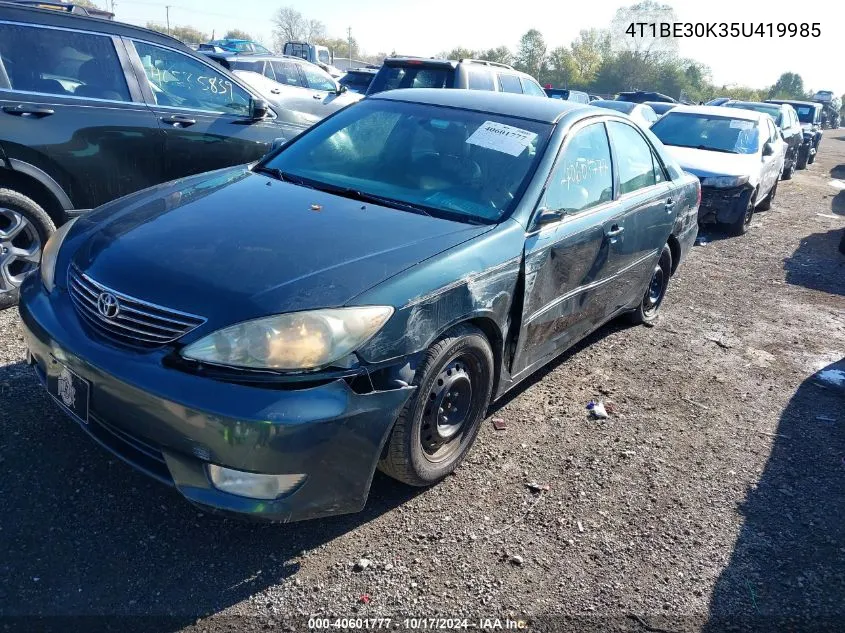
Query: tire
<point>649,308</point>
<point>812,159</point>
<point>424,447</point>
<point>740,227</point>
<point>766,204</point>
<point>802,159</point>
<point>790,171</point>
<point>24,230</point>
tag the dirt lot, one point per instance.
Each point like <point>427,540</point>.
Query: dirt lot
<point>715,494</point>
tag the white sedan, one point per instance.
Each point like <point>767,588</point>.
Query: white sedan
<point>737,154</point>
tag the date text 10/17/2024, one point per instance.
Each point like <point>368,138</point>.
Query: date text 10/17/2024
<point>417,624</point>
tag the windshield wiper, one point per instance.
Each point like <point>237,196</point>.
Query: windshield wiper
<point>284,176</point>
<point>716,149</point>
<point>363,196</point>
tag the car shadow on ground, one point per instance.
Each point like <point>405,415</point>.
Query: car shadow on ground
<point>817,263</point>
<point>85,534</point>
<point>787,570</point>
<point>619,324</point>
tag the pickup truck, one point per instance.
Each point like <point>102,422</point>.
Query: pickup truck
<point>314,53</point>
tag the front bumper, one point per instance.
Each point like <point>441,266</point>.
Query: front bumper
<point>724,206</point>
<point>169,423</point>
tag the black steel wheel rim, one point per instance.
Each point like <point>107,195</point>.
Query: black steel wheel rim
<point>450,407</point>
<point>656,289</point>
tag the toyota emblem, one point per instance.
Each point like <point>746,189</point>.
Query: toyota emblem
<point>107,305</point>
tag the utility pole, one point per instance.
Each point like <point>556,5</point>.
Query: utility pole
<point>113,3</point>
<point>349,39</point>
<point>167,12</point>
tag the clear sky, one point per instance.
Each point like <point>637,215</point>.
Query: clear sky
<point>428,27</point>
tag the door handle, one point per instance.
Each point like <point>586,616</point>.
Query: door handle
<point>275,91</point>
<point>28,111</point>
<point>317,96</point>
<point>614,230</point>
<point>670,204</point>
<point>179,120</point>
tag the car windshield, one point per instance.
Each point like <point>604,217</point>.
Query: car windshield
<point>412,76</point>
<point>458,164</point>
<point>708,132</point>
<point>806,114</point>
<point>622,106</point>
<point>772,111</point>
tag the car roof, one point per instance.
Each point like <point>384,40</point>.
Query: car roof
<point>259,57</point>
<point>612,104</point>
<point>794,101</point>
<point>507,104</point>
<point>51,17</point>
<point>733,113</point>
<point>753,104</point>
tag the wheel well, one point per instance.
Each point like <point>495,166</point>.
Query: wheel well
<point>34,190</point>
<point>494,336</point>
<point>675,249</point>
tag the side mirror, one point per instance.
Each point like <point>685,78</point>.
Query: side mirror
<point>340,89</point>
<point>547,216</point>
<point>768,150</point>
<point>258,109</point>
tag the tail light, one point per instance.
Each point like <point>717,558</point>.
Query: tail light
<point>698,193</point>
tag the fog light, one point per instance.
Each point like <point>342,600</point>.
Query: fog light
<point>252,485</point>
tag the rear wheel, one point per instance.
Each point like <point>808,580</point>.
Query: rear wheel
<point>649,307</point>
<point>766,204</point>
<point>24,229</point>
<point>439,423</point>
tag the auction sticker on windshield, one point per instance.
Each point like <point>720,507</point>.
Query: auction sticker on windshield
<point>502,138</point>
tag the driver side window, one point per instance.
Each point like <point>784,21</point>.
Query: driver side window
<point>180,81</point>
<point>582,177</point>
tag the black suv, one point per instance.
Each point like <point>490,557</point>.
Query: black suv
<point>810,117</point>
<point>91,110</point>
<point>472,74</point>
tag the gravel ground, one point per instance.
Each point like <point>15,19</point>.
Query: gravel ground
<point>715,493</point>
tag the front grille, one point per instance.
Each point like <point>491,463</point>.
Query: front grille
<point>136,323</point>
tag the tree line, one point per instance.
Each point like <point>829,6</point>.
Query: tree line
<point>601,61</point>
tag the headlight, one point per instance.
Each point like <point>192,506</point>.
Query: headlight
<point>299,340</point>
<point>724,182</point>
<point>51,253</point>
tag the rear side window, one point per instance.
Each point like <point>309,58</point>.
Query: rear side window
<point>509,83</point>
<point>479,79</point>
<point>240,64</point>
<point>65,63</point>
<point>532,88</point>
<point>395,77</point>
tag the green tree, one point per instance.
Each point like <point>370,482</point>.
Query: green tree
<point>237,34</point>
<point>458,53</point>
<point>531,54</point>
<point>187,34</point>
<point>562,68</point>
<point>500,54</point>
<point>588,51</point>
<point>788,86</point>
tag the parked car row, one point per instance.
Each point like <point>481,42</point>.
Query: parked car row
<point>262,309</point>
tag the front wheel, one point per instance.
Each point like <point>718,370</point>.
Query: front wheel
<point>439,423</point>
<point>743,222</point>
<point>649,308</point>
<point>803,156</point>
<point>788,172</point>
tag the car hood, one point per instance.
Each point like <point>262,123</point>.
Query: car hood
<point>703,163</point>
<point>234,244</point>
